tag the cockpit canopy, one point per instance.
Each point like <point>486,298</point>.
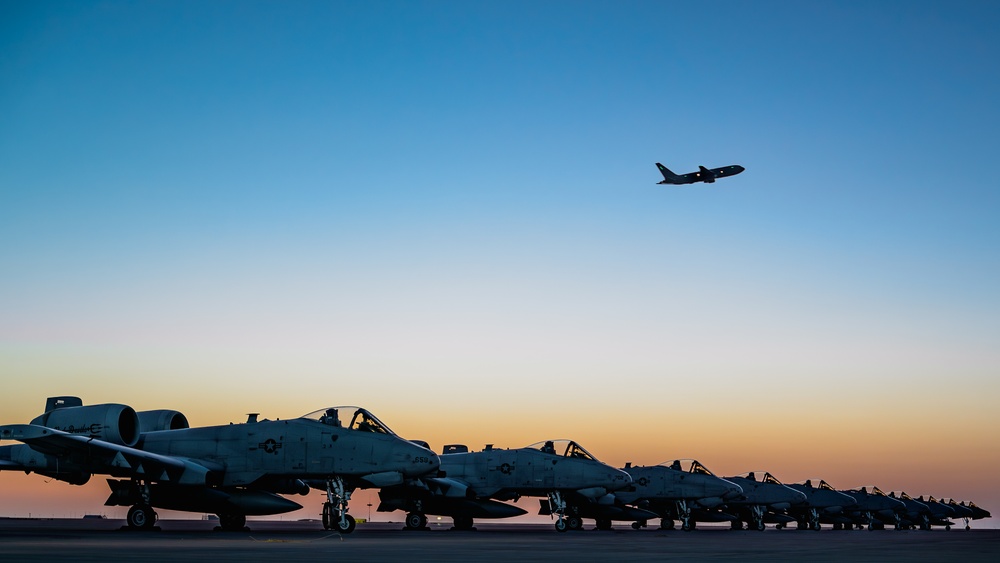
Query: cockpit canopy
<point>762,476</point>
<point>360,419</point>
<point>819,484</point>
<point>564,448</point>
<point>688,466</point>
<point>870,490</point>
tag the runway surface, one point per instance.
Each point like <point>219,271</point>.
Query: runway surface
<point>188,540</point>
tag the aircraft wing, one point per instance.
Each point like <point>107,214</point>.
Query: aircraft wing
<point>105,457</point>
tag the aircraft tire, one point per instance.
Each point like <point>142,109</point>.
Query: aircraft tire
<point>345,527</point>
<point>561,525</point>
<point>666,524</point>
<point>779,526</point>
<point>415,521</point>
<point>574,523</point>
<point>761,526</point>
<point>141,517</point>
<point>604,524</point>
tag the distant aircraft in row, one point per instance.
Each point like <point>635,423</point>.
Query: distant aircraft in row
<point>703,174</point>
<point>156,460</point>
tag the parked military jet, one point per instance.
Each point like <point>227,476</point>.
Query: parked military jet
<point>874,508</point>
<point>764,500</point>
<point>941,513</point>
<point>673,491</point>
<point>702,175</point>
<point>823,502</point>
<point>916,514</point>
<point>233,471</point>
<point>474,483</point>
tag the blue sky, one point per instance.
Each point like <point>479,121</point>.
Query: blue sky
<point>449,198</point>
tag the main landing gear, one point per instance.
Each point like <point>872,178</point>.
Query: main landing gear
<point>557,507</point>
<point>141,516</point>
<point>335,516</point>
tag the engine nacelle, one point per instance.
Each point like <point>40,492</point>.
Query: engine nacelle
<point>111,422</point>
<point>162,419</point>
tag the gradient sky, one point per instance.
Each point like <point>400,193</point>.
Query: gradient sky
<point>447,212</point>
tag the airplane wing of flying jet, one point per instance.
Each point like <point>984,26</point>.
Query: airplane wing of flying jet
<point>703,174</point>
<point>233,471</point>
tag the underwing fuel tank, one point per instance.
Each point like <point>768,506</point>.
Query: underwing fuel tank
<point>202,499</point>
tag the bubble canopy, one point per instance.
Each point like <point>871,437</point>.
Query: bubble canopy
<point>360,419</point>
<point>688,466</point>
<point>762,476</point>
<point>564,448</point>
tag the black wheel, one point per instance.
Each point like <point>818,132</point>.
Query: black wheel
<point>779,525</point>
<point>141,517</point>
<point>574,523</point>
<point>604,524</point>
<point>415,521</point>
<point>462,522</point>
<point>232,522</point>
<point>666,524</point>
<point>327,511</point>
<point>346,526</point>
<point>561,525</point>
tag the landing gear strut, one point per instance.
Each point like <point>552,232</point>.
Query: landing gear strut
<point>756,517</point>
<point>684,514</point>
<point>335,516</point>
<point>557,507</point>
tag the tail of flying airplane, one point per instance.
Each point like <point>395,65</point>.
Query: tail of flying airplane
<point>668,176</point>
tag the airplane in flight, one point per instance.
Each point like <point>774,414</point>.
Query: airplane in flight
<point>158,461</point>
<point>675,491</point>
<point>475,484</point>
<point>706,175</point>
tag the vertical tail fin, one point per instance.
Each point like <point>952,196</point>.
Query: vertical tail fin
<point>668,176</point>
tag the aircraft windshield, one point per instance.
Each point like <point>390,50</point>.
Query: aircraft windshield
<point>688,466</point>
<point>360,419</point>
<point>762,476</point>
<point>564,448</point>
<point>818,483</point>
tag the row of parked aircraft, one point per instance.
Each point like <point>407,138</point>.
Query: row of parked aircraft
<point>153,459</point>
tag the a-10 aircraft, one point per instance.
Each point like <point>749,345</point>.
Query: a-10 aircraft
<point>675,491</point>
<point>823,503</point>
<point>706,175</point>
<point>765,500</point>
<point>233,471</point>
<point>475,483</point>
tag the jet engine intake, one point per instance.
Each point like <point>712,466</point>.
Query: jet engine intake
<point>111,422</point>
<point>162,419</point>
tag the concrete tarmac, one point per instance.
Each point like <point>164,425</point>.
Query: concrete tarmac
<point>193,540</point>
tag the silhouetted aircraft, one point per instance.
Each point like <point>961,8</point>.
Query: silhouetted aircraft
<point>702,175</point>
<point>473,483</point>
<point>822,501</point>
<point>233,471</point>
<point>675,491</point>
<point>874,508</point>
<point>764,500</point>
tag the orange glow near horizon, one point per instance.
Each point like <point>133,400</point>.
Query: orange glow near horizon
<point>937,462</point>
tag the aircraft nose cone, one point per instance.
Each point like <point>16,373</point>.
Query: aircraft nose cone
<point>618,480</point>
<point>418,460</point>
